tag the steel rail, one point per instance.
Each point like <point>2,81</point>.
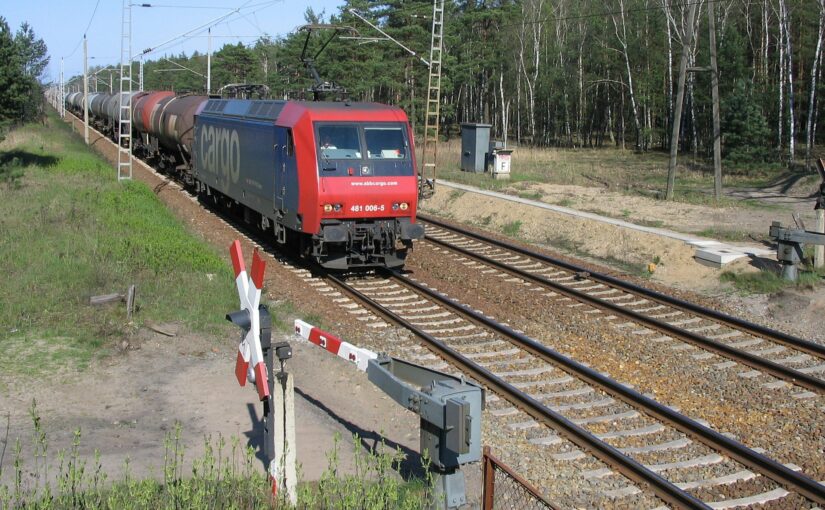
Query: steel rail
<point>800,344</point>
<point>779,473</point>
<point>780,371</point>
<point>608,454</point>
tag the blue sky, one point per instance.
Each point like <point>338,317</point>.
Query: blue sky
<point>61,24</point>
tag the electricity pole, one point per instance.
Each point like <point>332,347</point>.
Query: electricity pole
<point>687,42</point>
<point>85,90</point>
<point>714,85</point>
<point>62,107</point>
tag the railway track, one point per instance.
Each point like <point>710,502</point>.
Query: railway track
<point>791,359</point>
<point>569,412</point>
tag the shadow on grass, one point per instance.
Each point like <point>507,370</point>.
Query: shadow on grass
<point>19,158</point>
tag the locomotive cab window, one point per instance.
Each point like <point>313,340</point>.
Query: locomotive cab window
<point>385,143</point>
<point>339,142</point>
<point>290,143</point>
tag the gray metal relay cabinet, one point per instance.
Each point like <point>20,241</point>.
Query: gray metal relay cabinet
<point>475,142</point>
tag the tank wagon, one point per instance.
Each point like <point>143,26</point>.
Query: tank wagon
<point>334,180</point>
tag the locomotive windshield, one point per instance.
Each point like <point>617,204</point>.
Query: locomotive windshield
<point>380,149</point>
<point>339,142</point>
<point>385,142</point>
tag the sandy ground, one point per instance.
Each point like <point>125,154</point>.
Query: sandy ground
<point>674,260</point>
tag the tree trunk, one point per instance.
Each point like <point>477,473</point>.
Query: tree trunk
<point>623,42</point>
<point>781,45</point>
<point>789,62</point>
<point>669,119</point>
<point>809,136</point>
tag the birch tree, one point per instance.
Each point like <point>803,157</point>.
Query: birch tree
<point>622,39</point>
<point>809,133</point>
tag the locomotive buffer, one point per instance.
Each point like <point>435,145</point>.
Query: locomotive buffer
<point>449,407</point>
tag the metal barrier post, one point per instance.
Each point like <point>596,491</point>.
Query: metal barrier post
<point>488,477</point>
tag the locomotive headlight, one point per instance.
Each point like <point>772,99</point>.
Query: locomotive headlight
<point>404,206</point>
<point>395,206</point>
<point>327,208</point>
<point>337,207</point>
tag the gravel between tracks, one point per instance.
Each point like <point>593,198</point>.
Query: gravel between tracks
<point>790,429</point>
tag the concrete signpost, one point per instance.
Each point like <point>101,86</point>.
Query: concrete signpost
<point>819,251</point>
<point>255,363</point>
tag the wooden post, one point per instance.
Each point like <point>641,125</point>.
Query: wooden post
<point>687,41</point>
<point>714,85</point>
<point>130,302</point>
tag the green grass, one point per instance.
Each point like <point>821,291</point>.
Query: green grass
<point>71,231</point>
<point>725,234</point>
<point>512,228</point>
<point>531,195</point>
<point>769,282</point>
<point>619,170</point>
<point>225,476</point>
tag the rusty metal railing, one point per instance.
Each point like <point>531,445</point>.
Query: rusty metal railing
<point>506,490</point>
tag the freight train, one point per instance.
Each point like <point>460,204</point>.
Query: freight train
<point>335,180</point>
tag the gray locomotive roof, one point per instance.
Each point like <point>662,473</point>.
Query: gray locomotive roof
<point>270,109</point>
<point>260,109</point>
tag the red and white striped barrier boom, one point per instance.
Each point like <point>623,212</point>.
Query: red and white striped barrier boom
<point>334,344</point>
<point>250,365</point>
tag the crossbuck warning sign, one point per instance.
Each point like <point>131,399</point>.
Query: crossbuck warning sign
<point>250,365</point>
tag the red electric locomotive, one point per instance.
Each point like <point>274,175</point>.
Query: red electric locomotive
<point>337,178</point>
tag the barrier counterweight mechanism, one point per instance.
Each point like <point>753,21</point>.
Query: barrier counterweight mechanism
<point>449,408</point>
<point>790,242</point>
<point>256,364</point>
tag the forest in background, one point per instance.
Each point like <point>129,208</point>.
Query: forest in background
<point>561,73</point>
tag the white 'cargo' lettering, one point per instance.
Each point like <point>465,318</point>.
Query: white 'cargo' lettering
<point>220,153</point>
